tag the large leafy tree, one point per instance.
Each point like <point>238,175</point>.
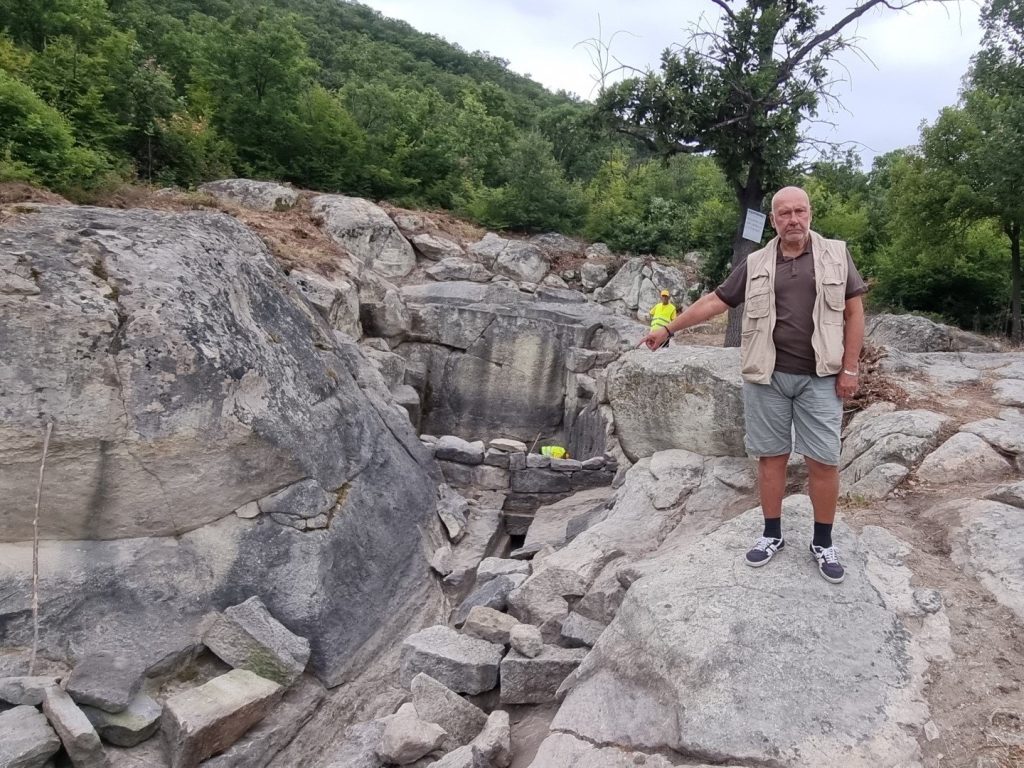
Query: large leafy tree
<point>741,91</point>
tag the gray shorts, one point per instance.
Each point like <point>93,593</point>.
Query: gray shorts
<point>793,403</point>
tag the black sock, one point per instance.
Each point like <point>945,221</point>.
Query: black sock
<point>773,527</point>
<point>822,535</point>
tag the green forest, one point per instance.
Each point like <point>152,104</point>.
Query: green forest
<point>332,96</point>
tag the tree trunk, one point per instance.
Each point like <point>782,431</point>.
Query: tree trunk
<point>748,196</point>
<point>1013,230</point>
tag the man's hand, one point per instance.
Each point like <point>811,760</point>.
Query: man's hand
<point>846,385</point>
<point>654,339</point>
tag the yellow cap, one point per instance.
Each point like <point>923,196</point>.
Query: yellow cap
<point>665,293</point>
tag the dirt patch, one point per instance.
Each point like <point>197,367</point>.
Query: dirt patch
<point>18,192</point>
<point>440,223</point>
<point>976,700</point>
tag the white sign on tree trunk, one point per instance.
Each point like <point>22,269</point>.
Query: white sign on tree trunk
<point>753,227</point>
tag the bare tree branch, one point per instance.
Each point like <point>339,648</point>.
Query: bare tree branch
<point>728,11</point>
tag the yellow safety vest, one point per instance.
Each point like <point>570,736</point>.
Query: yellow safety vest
<point>554,451</point>
<point>662,315</point>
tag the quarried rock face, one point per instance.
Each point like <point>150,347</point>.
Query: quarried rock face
<point>186,377</point>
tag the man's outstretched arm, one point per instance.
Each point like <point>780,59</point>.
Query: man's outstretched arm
<point>703,309</point>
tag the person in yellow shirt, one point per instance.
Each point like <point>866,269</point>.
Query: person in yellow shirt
<point>663,313</point>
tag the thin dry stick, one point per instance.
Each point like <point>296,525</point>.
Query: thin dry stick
<point>35,554</point>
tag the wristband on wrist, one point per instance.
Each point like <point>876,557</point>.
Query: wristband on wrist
<point>851,373</point>
<point>670,334</point>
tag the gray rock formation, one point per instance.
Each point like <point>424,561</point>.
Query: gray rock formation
<point>367,233</point>
<point>335,298</point>
<point>495,740</point>
<point>673,659</point>
<point>519,260</point>
<point>134,725</point>
<point>257,195</point>
<point>562,750</point>
<point>985,547</point>
<point>200,722</point>
<point>76,733</point>
<point>456,268</point>
<point>436,248</point>
<point>107,681</point>
<point>25,690</point>
<point>526,640</point>
<point>188,377</point>
<point>681,397</point>
<point>435,703</point>
<point>912,333</point>
<point>535,680</point>
<point>493,594</point>
<point>963,458</point>
<point>463,664</point>
<point>489,624</point>
<point>26,739</point>
<point>493,567</point>
<point>246,636</point>
<point>407,738</point>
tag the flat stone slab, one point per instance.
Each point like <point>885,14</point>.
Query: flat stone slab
<point>25,690</point>
<point>437,703</point>
<point>105,680</point>
<point>676,660</point>
<point>203,721</point>
<point>246,636</point>
<point>452,448</point>
<point>76,733</point>
<point>130,727</point>
<point>492,567</point>
<point>526,680</point>
<point>26,738</point>
<point>463,664</point>
<point>988,546</point>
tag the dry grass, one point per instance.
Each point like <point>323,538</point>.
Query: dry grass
<point>17,192</point>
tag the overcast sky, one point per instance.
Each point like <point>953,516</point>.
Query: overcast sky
<point>911,66</point>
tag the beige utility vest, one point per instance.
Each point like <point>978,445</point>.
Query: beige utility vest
<point>757,348</point>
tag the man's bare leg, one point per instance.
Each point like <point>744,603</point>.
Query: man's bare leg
<point>823,488</point>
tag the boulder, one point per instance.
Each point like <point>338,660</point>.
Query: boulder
<point>246,636</point>
<point>493,594</point>
<point>367,232</point>
<point>452,448</point>
<point>189,378</point>
<point>407,738</point>
<point>551,521</point>
<point>593,275</point>
<point>335,298</point>
<point>435,247</point>
<point>203,721</point>
<point>1009,392</point>
<point>1010,493</point>
<point>258,747</point>
<point>107,681</point>
<point>526,680</point>
<point>897,437</point>
<point>257,195</point>
<point>76,733</point>
<point>516,259</point>
<point>132,726</point>
<point>489,624</point>
<point>495,740</point>
<point>911,333</point>
<point>963,458</point>
<point>1005,433</point>
<point>25,690</point>
<point>507,446</point>
<point>463,664</point>
<point>680,648</point>
<point>493,567</point>
<point>682,397</point>
<point>526,640</point>
<point>458,268</point>
<point>26,738</point>
<point>483,533</point>
<point>579,631</point>
<point>435,703</point>
<point>878,483</point>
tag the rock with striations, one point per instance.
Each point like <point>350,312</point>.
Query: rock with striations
<point>247,636</point>
<point>106,680</point>
<point>536,680</point>
<point>189,378</point>
<point>489,624</point>
<point>203,721</point>
<point>680,648</point>
<point>257,195</point>
<point>76,733</point>
<point>458,268</point>
<point>133,726</point>
<point>435,247</point>
<point>435,703</point>
<point>463,664</point>
<point>681,397</point>
<point>516,259</point>
<point>25,690</point>
<point>26,738</point>
<point>336,298</point>
<point>493,567</point>
<point>407,737</point>
<point>367,232</point>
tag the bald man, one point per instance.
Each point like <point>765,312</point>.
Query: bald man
<point>803,328</point>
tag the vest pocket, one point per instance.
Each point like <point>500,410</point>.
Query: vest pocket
<point>835,293</point>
